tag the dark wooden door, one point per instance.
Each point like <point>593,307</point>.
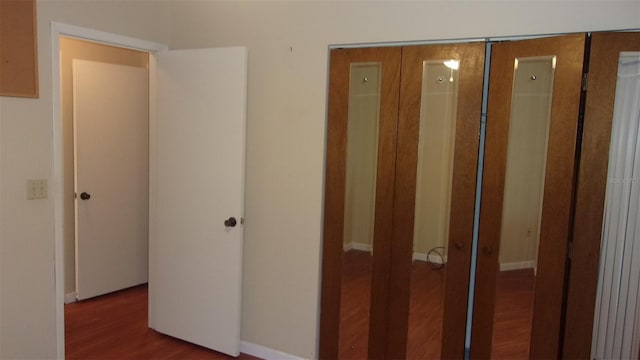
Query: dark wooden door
<point>534,91</point>
<point>359,309</point>
<point>439,123</point>
<point>592,178</point>
<point>403,125</point>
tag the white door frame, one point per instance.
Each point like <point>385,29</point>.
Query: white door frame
<point>57,30</point>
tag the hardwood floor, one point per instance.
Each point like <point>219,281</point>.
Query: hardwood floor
<point>354,305</point>
<point>425,311</point>
<point>114,326</point>
<point>513,314</point>
<point>512,323</point>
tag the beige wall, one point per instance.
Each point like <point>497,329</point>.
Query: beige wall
<point>76,49</point>
<point>285,141</point>
<point>27,278</point>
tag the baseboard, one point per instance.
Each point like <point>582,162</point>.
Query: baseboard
<point>435,259</point>
<point>70,298</point>
<point>518,265</point>
<point>357,246</point>
<point>264,352</point>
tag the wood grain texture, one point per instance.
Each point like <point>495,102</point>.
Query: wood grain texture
<point>558,196</point>
<point>18,49</point>
<point>592,179</point>
<point>463,199</point>
<point>115,326</point>
<point>335,180</point>
<point>491,211</point>
<point>471,58</point>
<point>341,60</point>
<point>558,190</point>
<point>381,295</point>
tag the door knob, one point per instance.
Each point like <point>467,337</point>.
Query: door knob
<point>230,222</point>
<point>85,196</point>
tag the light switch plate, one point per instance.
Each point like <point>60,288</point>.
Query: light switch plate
<point>37,189</point>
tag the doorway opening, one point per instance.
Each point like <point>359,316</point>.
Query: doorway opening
<point>202,129</point>
<point>105,145</point>
<point>105,133</point>
<point>102,47</point>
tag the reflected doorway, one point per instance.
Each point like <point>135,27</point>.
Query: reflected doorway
<point>98,54</point>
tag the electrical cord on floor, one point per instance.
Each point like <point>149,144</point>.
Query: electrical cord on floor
<point>435,265</point>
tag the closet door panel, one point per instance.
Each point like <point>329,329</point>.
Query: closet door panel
<point>527,194</point>
<point>440,104</point>
<point>592,180</point>
<point>360,166</point>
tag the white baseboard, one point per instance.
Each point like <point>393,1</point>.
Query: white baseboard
<point>433,258</point>
<point>70,298</point>
<point>264,352</point>
<point>357,246</point>
<point>518,265</point>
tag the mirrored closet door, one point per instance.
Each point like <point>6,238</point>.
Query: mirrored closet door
<point>609,173</point>
<point>399,198</point>
<point>400,213</point>
<point>437,153</point>
<point>358,218</point>
<point>527,193</point>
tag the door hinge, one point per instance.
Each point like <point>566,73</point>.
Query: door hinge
<point>585,80</point>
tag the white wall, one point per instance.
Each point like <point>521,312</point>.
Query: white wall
<point>286,133</point>
<point>27,300</point>
<point>286,120</point>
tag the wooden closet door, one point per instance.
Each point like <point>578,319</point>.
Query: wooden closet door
<point>592,179</point>
<point>440,106</point>
<point>436,133</point>
<point>355,282</point>
<point>527,194</point>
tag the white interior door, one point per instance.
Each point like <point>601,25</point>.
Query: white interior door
<point>197,185</point>
<point>111,125</point>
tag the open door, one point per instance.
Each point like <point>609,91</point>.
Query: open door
<point>111,124</point>
<point>197,196</point>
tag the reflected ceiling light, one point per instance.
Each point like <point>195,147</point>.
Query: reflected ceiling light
<point>452,64</point>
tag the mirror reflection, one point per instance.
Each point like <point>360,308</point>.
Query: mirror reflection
<point>438,103</point>
<point>616,320</point>
<point>522,205</point>
<point>360,194</point>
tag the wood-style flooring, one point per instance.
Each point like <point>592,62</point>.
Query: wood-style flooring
<point>114,326</point>
<point>512,322</point>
